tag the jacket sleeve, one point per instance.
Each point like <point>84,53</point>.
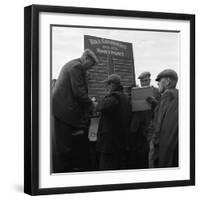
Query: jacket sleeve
<point>79,87</point>
<point>108,104</point>
<point>156,94</point>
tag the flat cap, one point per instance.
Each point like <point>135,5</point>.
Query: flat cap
<point>144,75</point>
<point>91,54</point>
<point>113,78</point>
<point>167,73</point>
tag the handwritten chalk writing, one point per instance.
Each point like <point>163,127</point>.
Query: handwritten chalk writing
<point>110,52</point>
<point>104,47</point>
<point>115,57</point>
<point>105,41</point>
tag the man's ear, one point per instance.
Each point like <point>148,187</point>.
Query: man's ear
<point>168,81</point>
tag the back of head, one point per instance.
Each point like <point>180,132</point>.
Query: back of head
<point>113,78</point>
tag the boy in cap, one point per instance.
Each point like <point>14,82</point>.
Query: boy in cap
<point>166,120</point>
<point>114,124</point>
<point>70,109</point>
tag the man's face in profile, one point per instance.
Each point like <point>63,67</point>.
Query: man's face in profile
<point>162,84</point>
<point>88,63</point>
<point>144,82</point>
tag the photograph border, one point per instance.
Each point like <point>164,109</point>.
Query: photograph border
<point>31,98</point>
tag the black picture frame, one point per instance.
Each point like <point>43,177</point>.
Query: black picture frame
<point>31,98</point>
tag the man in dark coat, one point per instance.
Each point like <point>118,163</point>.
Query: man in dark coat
<point>70,109</point>
<point>166,120</point>
<point>139,145</point>
<point>113,126</point>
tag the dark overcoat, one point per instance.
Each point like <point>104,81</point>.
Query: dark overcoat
<point>114,123</point>
<point>139,126</point>
<point>140,135</point>
<point>167,129</point>
<point>70,101</point>
<point>70,112</point>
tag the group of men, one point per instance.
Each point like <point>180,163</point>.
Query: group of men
<point>125,139</point>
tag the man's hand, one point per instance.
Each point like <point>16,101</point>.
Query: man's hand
<point>77,133</point>
<point>152,100</point>
<point>94,106</point>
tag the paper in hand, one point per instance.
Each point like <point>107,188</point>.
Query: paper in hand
<point>139,96</point>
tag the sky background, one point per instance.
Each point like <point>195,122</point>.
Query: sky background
<point>153,51</point>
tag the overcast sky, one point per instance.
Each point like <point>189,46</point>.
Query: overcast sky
<point>153,51</point>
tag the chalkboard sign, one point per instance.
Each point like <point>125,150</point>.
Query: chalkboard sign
<point>114,57</point>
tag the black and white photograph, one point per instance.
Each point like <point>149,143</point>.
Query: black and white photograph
<point>114,101</point>
<point>109,100</point>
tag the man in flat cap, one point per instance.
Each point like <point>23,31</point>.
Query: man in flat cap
<point>166,120</point>
<point>139,138</point>
<point>144,78</point>
<point>114,126</point>
<point>70,109</point>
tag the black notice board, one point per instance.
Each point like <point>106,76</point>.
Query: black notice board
<point>114,57</point>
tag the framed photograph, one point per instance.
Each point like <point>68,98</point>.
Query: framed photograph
<point>109,99</point>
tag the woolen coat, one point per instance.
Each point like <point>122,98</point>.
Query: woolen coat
<point>167,129</point>
<point>114,123</point>
<point>70,101</point>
